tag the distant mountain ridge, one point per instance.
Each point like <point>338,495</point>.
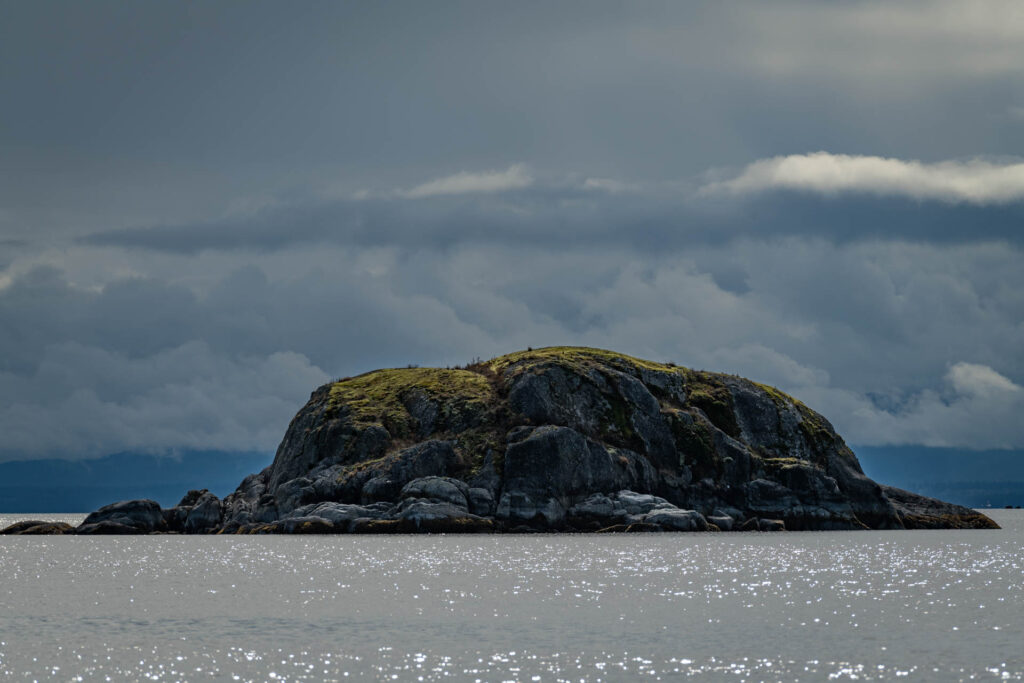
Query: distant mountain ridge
<point>56,485</point>
<point>978,479</point>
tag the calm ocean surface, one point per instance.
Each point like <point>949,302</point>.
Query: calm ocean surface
<point>913,605</point>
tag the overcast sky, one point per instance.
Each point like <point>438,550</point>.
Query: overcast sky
<point>208,209</point>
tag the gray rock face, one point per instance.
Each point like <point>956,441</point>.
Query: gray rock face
<point>553,395</point>
<point>319,437</point>
<point>428,459</point>
<point>544,471</point>
<point>205,515</point>
<point>677,520</point>
<point>565,438</point>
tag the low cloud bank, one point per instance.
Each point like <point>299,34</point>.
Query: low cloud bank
<point>976,408</point>
<point>893,342</point>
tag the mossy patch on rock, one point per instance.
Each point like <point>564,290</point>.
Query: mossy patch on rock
<point>576,358</point>
<point>774,464</point>
<point>617,426</point>
<point>380,397</point>
<point>473,446</point>
<point>695,445</point>
<point>707,391</point>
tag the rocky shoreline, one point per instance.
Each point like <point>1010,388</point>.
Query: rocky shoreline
<point>562,439</point>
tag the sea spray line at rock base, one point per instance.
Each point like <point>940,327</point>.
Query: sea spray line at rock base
<point>553,439</point>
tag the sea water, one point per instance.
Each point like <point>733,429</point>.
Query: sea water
<point>909,605</point>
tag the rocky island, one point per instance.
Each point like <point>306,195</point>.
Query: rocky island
<point>556,439</point>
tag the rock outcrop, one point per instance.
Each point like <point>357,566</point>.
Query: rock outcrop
<point>555,439</point>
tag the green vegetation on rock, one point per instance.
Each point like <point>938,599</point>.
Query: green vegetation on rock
<point>380,397</point>
<point>616,428</point>
<point>694,443</point>
<point>707,391</point>
<point>579,359</point>
<point>775,464</point>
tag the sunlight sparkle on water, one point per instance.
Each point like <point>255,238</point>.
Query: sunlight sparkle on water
<point>794,606</point>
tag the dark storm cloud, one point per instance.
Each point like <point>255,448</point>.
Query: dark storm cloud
<point>122,114</point>
<point>207,209</point>
<point>563,216</point>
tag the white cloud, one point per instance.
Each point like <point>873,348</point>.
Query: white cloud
<point>979,380</point>
<point>767,365</point>
<point>975,181</point>
<point>514,177</point>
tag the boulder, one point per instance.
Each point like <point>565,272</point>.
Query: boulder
<point>481,501</point>
<point>341,515</point>
<point>420,515</point>
<point>640,503</point>
<point>443,489</point>
<point>771,525</point>
<point>141,516</point>
<point>107,527</point>
<point>749,525</point>
<point>36,527</point>
<point>677,520</point>
<point>723,522</point>
<point>205,514</point>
